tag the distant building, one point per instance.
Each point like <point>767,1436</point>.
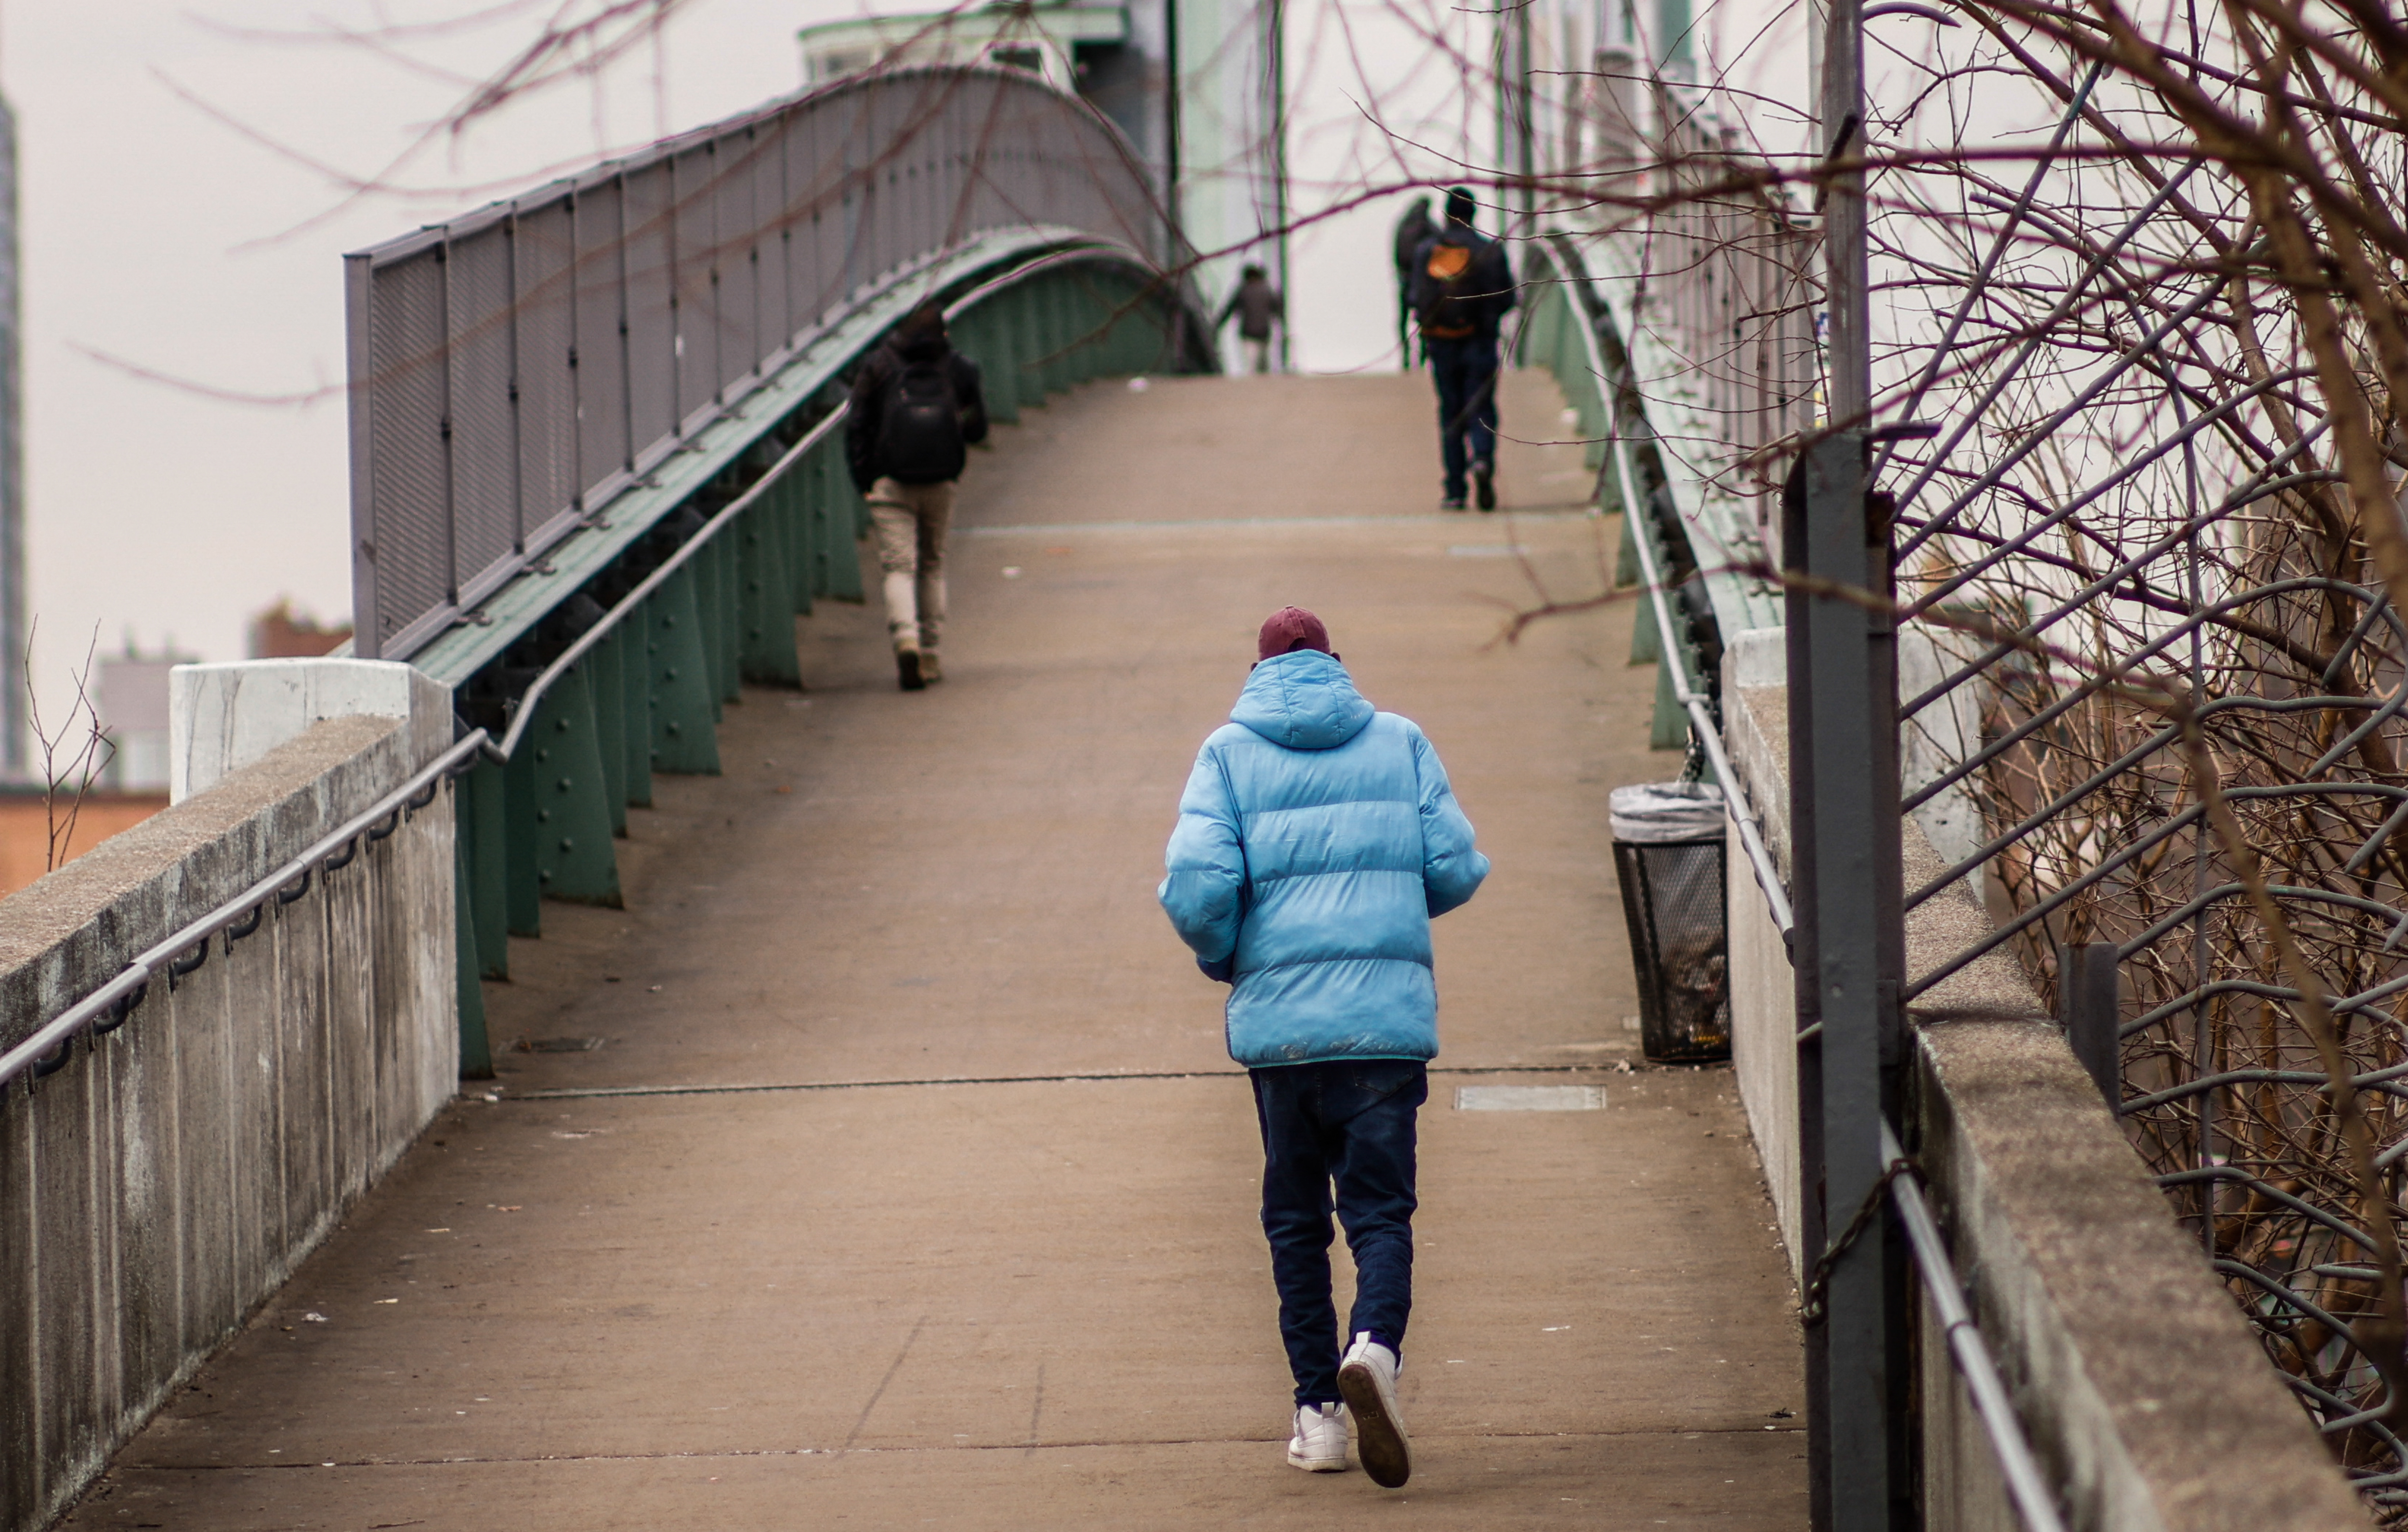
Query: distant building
<point>281,633</point>
<point>1197,86</point>
<point>132,705</point>
<point>13,743</point>
<point>1065,43</point>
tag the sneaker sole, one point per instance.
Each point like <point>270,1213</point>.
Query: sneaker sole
<point>1317,1465</point>
<point>1379,1439</point>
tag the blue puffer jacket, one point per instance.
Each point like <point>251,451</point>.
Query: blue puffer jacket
<point>1315,840</point>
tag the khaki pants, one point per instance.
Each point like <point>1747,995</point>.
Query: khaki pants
<point>912,521</point>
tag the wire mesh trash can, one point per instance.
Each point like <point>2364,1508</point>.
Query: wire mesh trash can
<point>1668,853</point>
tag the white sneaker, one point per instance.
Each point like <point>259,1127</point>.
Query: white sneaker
<point>1367,1378</point>
<point>1319,1445</point>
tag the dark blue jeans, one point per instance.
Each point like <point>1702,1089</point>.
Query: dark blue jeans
<point>1466,373</point>
<point>1349,1123</point>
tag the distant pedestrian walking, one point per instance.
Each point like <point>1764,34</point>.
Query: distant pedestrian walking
<point>1316,839</point>
<point>1258,306</point>
<point>1413,230</point>
<point>916,408</point>
<point>1462,288</point>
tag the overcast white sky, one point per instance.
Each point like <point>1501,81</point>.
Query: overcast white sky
<point>155,231</point>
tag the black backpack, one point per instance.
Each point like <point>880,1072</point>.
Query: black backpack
<point>920,431</point>
<point>1445,290</point>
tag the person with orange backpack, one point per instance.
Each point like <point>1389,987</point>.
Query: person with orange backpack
<point>1463,286</point>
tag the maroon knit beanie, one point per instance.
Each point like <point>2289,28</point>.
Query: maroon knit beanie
<point>1289,629</point>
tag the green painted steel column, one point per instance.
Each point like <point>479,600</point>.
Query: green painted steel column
<point>480,824</point>
<point>729,555</point>
<point>636,704</point>
<point>794,498</point>
<point>522,900</point>
<point>1028,317</point>
<point>607,662</point>
<point>819,514</point>
<point>574,857</point>
<point>769,655</point>
<point>1668,728</point>
<point>682,700</point>
<point>476,1049</point>
<point>1054,304</point>
<point>851,520</point>
<point>1003,380</point>
<point>702,573</point>
<point>986,346</point>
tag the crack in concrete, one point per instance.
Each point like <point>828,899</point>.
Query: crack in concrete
<point>879,1392</point>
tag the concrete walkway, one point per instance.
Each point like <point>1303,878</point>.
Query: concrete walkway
<point>839,1225</point>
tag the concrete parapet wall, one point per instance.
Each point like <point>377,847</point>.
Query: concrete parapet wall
<point>2142,1392</point>
<point>172,1174</point>
<point>221,718</point>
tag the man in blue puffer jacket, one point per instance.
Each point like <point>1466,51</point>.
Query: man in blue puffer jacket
<point>1316,839</point>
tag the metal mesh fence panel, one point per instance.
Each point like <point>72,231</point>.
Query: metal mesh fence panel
<point>509,369</point>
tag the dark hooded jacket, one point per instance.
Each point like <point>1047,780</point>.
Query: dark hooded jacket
<point>876,380</point>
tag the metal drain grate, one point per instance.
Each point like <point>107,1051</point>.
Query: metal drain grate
<point>558,1045</point>
<point>1529,1098</point>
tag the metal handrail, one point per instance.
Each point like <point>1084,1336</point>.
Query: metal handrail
<point>2025,1484</point>
<point>1699,706</point>
<point>137,976</point>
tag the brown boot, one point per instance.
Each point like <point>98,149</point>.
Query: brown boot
<point>906,670</point>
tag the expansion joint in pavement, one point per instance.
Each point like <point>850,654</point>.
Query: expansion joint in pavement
<point>1064,1446</point>
<point>599,1092</point>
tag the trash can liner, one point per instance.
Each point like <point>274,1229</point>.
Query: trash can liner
<point>1666,813</point>
<point>1667,855</point>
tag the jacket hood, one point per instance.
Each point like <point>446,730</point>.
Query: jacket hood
<point>1302,701</point>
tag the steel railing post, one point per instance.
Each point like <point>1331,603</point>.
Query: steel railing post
<point>1841,656</point>
<point>2088,990</point>
<point>1851,958</point>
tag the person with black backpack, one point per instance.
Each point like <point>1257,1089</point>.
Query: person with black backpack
<point>1463,286</point>
<point>916,409</point>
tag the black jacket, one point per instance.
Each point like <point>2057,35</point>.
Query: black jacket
<point>1486,287</point>
<point>876,379</point>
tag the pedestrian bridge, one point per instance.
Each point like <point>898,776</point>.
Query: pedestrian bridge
<point>603,1057</point>
<point>910,1182</point>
